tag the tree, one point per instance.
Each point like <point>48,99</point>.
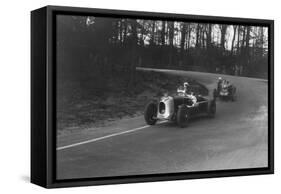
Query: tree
<point>261,37</point>
<point>152,33</point>
<point>247,50</point>
<point>183,33</point>
<point>238,40</point>
<point>189,29</point>
<point>141,25</point>
<point>233,38</point>
<point>133,45</point>
<point>125,29</point>
<point>223,29</point>
<point>197,44</point>
<point>243,38</point>
<point>209,36</point>
<point>171,33</point>
<point>163,32</point>
<point>171,42</point>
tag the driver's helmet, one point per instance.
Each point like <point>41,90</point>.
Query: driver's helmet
<point>220,78</point>
<point>165,94</point>
<point>185,84</point>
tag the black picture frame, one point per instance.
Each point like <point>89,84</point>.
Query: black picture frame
<point>43,97</point>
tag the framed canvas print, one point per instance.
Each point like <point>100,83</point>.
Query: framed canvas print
<point>126,96</point>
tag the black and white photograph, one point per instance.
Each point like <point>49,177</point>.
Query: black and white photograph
<point>137,97</point>
<point>141,96</point>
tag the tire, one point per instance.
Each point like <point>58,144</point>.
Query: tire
<point>150,113</point>
<point>183,116</point>
<point>215,93</point>
<point>212,109</point>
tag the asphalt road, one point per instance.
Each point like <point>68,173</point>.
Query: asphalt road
<point>236,138</point>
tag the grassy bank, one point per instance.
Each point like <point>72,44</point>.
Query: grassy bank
<point>81,105</point>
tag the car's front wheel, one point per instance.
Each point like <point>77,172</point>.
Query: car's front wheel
<point>183,116</point>
<point>150,113</point>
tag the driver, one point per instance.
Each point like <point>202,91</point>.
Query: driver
<point>189,93</point>
<point>227,84</point>
<point>185,87</point>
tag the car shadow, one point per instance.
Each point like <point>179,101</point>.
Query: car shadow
<point>192,121</point>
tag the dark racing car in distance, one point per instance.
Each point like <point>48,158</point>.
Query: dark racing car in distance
<point>225,90</point>
<point>187,103</point>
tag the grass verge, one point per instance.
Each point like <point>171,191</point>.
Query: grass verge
<point>82,105</point>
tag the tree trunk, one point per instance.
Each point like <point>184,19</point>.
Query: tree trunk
<point>197,36</point>
<point>171,33</point>
<point>125,25</point>
<point>152,33</point>
<point>238,40</point>
<point>121,31</point>
<point>163,33</point>
<point>203,39</point>
<point>209,36</point>
<point>183,33</point>
<point>171,42</point>
<point>243,38</point>
<point>233,39</point>
<point>223,32</point>
<point>115,33</point>
<point>133,44</point>
<point>247,50</point>
<point>142,33</point>
<point>261,39</point>
<point>188,39</point>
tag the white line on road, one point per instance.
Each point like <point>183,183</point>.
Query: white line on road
<point>104,137</point>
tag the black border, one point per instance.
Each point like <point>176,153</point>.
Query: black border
<point>51,181</point>
<point>38,155</point>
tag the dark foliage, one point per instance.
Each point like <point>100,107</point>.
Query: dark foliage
<point>103,47</point>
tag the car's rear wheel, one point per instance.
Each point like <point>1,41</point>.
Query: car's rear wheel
<point>215,93</point>
<point>183,116</point>
<point>212,109</point>
<point>150,113</point>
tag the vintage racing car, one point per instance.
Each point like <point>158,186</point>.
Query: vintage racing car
<point>225,90</point>
<point>181,107</point>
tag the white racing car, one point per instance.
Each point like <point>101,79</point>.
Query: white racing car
<point>186,104</point>
<point>225,90</point>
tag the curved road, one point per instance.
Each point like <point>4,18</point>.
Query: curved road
<point>235,138</point>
